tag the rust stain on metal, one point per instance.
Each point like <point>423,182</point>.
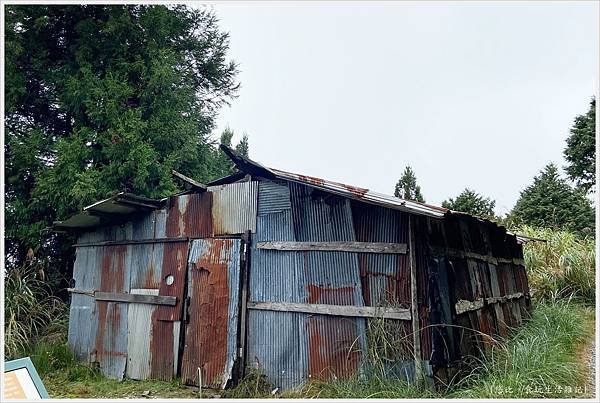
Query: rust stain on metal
<point>173,279</point>
<point>206,334</point>
<point>332,341</point>
<point>111,280</point>
<point>358,191</point>
<point>161,349</point>
<point>197,218</point>
<point>311,179</point>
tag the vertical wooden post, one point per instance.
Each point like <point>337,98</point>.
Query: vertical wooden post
<point>414,300</point>
<point>243,303</point>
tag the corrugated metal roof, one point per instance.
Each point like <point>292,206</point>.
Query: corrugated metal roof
<point>117,208</point>
<point>353,192</point>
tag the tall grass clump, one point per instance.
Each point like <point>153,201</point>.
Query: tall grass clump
<point>539,360</point>
<point>564,266</point>
<point>30,309</point>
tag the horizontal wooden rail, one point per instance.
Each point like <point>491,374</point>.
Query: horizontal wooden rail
<point>131,242</point>
<point>484,258</point>
<point>89,293</point>
<point>136,298</point>
<point>463,306</point>
<point>128,298</point>
<point>364,247</point>
<point>335,310</point>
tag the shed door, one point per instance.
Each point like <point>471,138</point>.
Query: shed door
<point>211,331</point>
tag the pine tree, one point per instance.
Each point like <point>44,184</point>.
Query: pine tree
<point>407,187</point>
<point>551,202</point>
<point>471,202</point>
<point>101,99</point>
<point>581,149</point>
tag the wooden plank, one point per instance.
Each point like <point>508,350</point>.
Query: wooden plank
<point>364,247</point>
<point>484,258</point>
<point>243,303</point>
<point>335,310</point>
<point>193,183</point>
<point>414,301</point>
<point>83,292</point>
<point>463,306</point>
<point>135,298</point>
<point>132,242</point>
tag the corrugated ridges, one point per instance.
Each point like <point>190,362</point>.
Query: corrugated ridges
<point>234,207</point>
<point>82,315</point>
<point>211,333</point>
<point>277,340</point>
<point>329,276</point>
<point>139,318</point>
<point>273,198</point>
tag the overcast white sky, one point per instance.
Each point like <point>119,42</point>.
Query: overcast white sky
<point>477,95</point>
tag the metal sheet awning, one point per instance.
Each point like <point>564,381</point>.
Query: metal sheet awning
<point>115,209</point>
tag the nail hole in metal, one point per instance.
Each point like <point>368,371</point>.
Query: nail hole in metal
<point>169,279</point>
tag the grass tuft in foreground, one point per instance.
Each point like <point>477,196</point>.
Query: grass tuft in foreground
<point>540,360</point>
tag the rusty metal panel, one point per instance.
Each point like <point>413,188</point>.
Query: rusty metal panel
<point>277,340</point>
<point>234,207</point>
<point>211,334</point>
<point>138,336</point>
<point>273,198</point>
<point>196,215</point>
<point>385,277</point>
<point>82,312</point>
<point>423,275</point>
<point>329,276</point>
<point>162,355</point>
<point>145,274</point>
<point>111,337</point>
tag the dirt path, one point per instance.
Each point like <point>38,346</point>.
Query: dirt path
<point>591,369</point>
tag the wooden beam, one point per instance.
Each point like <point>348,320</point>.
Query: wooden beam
<point>463,305</point>
<point>414,305</point>
<point>193,183</point>
<point>89,293</point>
<point>484,258</point>
<point>131,242</point>
<point>364,247</point>
<point>243,303</point>
<point>335,310</point>
<point>136,298</point>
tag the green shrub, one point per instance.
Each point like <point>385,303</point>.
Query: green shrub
<point>561,267</point>
<point>30,309</point>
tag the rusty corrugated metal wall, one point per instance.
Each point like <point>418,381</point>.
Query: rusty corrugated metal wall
<point>385,281</point>
<point>213,293</point>
<point>335,344</point>
<point>276,340</point>
<point>457,258</point>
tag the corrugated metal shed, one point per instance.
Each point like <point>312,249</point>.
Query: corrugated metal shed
<point>469,284</point>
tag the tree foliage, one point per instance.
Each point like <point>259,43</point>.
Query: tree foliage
<point>101,99</point>
<point>407,187</point>
<point>551,202</point>
<point>471,202</point>
<point>581,149</point>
